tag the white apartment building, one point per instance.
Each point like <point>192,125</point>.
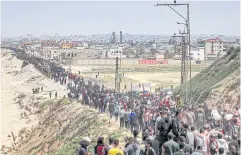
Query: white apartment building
<point>112,53</point>
<point>213,48</point>
<point>198,54</point>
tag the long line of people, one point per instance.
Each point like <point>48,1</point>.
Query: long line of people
<point>167,126</point>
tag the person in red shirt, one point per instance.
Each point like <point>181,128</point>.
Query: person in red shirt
<point>146,117</point>
<point>167,103</point>
<point>161,103</point>
<point>124,105</point>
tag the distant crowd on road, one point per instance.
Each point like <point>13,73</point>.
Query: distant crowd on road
<point>167,126</point>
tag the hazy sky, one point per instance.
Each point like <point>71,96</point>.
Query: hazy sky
<point>82,17</point>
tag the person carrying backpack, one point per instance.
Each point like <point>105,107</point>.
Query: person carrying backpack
<point>213,145</point>
<point>164,127</point>
<point>170,147</point>
<point>181,150</point>
<point>100,148</point>
<point>148,149</point>
<point>84,144</point>
<point>154,144</point>
<point>132,148</point>
<point>133,121</point>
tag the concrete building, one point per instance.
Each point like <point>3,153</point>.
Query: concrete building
<point>35,46</point>
<point>66,45</point>
<point>147,50</point>
<point>50,53</point>
<point>49,44</point>
<point>111,53</point>
<point>198,54</point>
<point>121,37</point>
<point>26,44</point>
<point>86,45</point>
<point>113,39</point>
<point>213,48</point>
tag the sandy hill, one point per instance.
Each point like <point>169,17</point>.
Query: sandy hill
<point>62,125</point>
<point>218,84</point>
<point>31,124</point>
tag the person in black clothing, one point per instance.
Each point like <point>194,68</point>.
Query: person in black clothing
<point>184,130</point>
<point>155,144</point>
<point>56,94</point>
<point>149,150</point>
<point>135,135</point>
<point>164,127</point>
<point>175,127</point>
<point>84,144</point>
<point>111,109</point>
<point>181,151</point>
<point>187,147</point>
<point>100,148</point>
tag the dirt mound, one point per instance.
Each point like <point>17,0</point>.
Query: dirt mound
<point>226,93</point>
<point>218,84</point>
<point>62,126</point>
<point>28,74</point>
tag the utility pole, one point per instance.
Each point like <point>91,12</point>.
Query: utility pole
<point>119,84</point>
<point>184,55</point>
<point>187,23</point>
<point>175,44</point>
<point>116,73</point>
<point>189,49</point>
<point>70,61</point>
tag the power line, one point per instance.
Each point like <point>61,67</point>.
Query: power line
<point>188,38</point>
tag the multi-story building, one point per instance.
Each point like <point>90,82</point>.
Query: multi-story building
<point>213,48</point>
<point>49,44</point>
<point>26,44</point>
<point>66,45</point>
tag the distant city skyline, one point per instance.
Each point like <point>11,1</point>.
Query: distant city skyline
<point>87,18</point>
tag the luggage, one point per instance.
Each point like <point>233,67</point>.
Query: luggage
<point>215,115</point>
<point>228,117</point>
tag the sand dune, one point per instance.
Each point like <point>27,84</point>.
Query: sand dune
<point>17,97</point>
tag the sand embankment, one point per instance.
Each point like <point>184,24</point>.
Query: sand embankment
<point>17,100</point>
<point>41,125</point>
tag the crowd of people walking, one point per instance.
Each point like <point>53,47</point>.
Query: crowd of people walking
<point>167,127</point>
